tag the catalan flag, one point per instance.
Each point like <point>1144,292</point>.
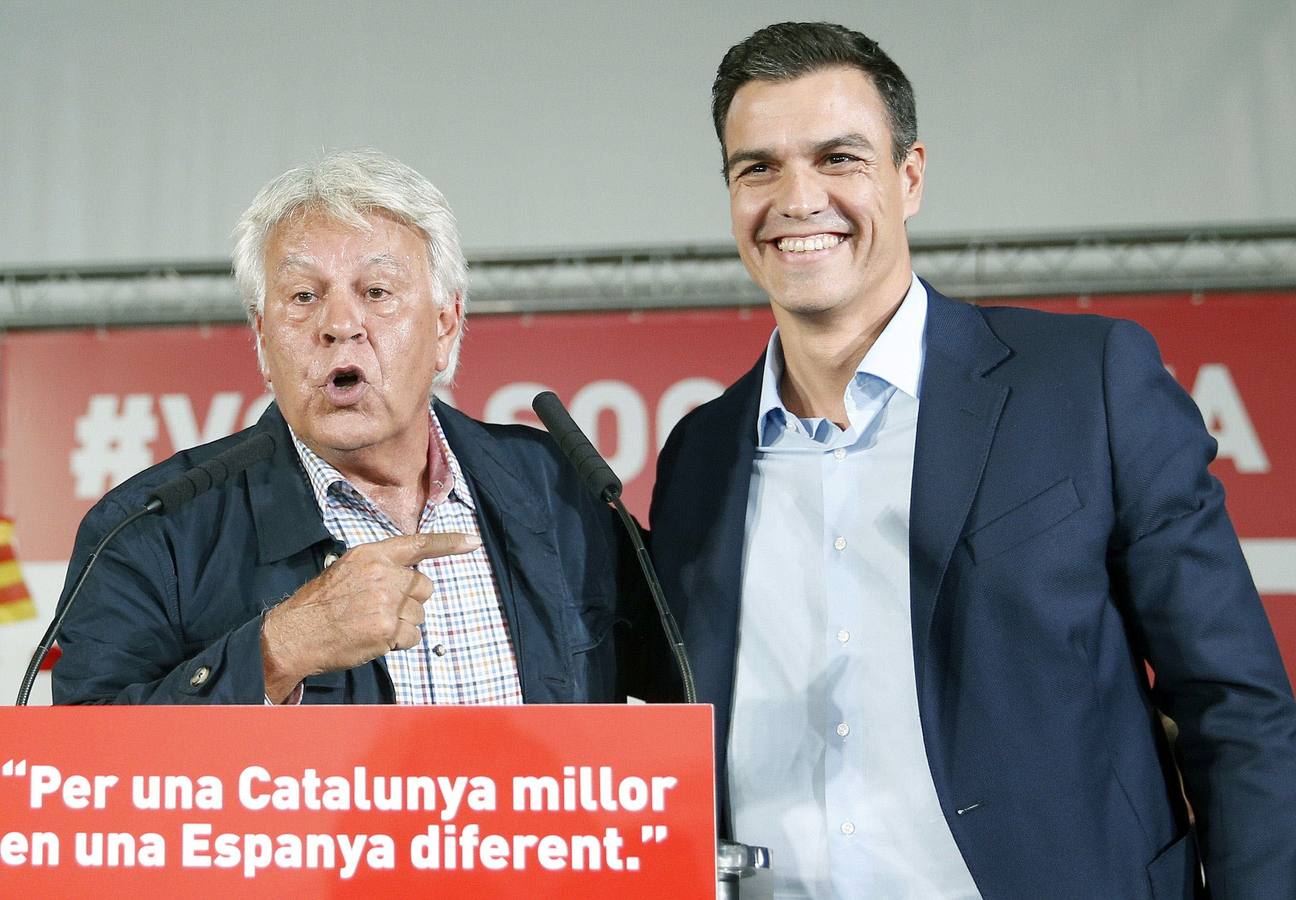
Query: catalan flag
<point>15,600</point>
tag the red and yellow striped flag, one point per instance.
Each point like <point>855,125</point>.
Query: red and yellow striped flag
<point>15,600</point>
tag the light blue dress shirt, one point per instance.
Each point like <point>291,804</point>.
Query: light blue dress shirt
<point>826,759</point>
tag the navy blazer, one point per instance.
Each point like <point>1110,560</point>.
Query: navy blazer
<point>184,592</point>
<point>1064,534</point>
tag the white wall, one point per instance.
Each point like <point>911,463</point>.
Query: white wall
<point>134,131</point>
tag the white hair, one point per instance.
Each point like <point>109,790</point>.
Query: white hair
<point>348,185</point>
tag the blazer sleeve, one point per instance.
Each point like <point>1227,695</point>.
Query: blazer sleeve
<point>1178,569</point>
<point>123,642</point>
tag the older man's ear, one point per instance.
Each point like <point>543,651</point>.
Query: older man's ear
<point>260,349</point>
<point>448,323</point>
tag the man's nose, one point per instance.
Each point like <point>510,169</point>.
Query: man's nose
<point>800,194</point>
<point>341,319</point>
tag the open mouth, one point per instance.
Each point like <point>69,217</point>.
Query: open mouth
<point>345,385</point>
<point>809,243</point>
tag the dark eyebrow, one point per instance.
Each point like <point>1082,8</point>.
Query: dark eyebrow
<point>743,156</point>
<point>851,139</point>
<point>858,141</point>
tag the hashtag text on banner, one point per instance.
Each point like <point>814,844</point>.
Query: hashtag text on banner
<point>112,442</point>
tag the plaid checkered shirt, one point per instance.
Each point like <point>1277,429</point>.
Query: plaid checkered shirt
<point>465,655</point>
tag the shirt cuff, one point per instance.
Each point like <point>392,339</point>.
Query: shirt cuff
<point>293,699</point>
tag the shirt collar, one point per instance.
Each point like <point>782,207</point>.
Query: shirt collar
<point>443,467</point>
<point>896,357</point>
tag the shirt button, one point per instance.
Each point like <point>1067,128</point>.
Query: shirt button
<point>848,828</point>
<point>843,729</point>
<point>840,543</point>
<point>839,453</point>
<point>440,650</point>
<point>843,636</point>
<point>200,676</point>
<point>330,559</point>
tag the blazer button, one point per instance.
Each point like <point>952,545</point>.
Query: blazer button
<point>200,676</point>
<point>330,559</point>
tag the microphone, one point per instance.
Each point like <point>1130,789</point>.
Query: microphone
<point>603,483</point>
<point>166,498</point>
<point>213,473</point>
<point>592,468</point>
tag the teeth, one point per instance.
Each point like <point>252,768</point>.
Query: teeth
<point>806,244</point>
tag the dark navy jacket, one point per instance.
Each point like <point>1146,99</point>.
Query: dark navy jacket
<point>185,592</point>
<point>1064,532</point>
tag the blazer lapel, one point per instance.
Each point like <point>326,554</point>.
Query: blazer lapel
<point>724,479</point>
<point>957,416</point>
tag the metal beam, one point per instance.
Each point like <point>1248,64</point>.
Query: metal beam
<point>972,267</point>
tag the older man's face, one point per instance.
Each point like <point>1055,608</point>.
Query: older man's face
<point>351,333</point>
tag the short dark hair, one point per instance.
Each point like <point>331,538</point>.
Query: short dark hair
<point>789,50</point>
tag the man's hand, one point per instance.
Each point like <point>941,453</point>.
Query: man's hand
<point>369,602</point>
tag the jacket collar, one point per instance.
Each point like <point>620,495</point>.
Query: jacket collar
<point>284,512</point>
<point>488,469</point>
<point>286,516</point>
<point>957,417</point>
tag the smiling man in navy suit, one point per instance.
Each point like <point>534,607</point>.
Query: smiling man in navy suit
<point>924,553</point>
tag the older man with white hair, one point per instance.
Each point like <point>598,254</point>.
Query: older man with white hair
<point>391,549</point>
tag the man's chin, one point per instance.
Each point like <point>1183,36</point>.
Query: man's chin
<point>807,302</point>
<point>341,433</point>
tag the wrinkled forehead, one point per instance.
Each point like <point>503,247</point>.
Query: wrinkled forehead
<point>316,236</point>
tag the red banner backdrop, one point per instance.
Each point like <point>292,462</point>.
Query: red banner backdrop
<point>83,410</point>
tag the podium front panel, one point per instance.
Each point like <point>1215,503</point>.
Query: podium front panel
<point>534,801</point>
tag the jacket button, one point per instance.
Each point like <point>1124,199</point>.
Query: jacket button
<point>330,559</point>
<point>200,676</point>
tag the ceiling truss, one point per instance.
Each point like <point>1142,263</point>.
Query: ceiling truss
<point>1082,264</point>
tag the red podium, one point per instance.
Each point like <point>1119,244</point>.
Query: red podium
<point>529,801</point>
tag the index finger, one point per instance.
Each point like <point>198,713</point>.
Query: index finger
<point>409,549</point>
